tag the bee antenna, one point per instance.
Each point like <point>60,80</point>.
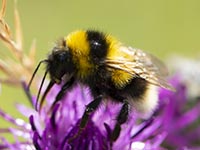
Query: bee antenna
<point>36,69</point>
<point>51,83</point>
<point>39,91</point>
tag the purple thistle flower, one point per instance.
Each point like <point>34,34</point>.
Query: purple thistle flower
<point>179,122</point>
<point>172,126</point>
<point>19,128</point>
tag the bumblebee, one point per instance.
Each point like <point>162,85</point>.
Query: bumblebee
<point>111,71</point>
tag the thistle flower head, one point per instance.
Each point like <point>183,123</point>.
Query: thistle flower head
<point>167,129</point>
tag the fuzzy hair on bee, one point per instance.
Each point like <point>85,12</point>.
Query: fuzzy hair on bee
<point>110,69</point>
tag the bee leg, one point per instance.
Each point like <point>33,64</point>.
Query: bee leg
<point>62,92</point>
<point>90,108</point>
<point>121,119</point>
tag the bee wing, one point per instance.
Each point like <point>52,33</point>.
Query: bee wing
<point>142,65</point>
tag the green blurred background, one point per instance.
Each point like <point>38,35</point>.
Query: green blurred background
<point>161,27</point>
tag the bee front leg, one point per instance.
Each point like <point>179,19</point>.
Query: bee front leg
<point>62,92</point>
<point>121,119</point>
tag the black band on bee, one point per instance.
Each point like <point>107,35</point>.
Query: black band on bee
<point>137,87</point>
<point>98,45</point>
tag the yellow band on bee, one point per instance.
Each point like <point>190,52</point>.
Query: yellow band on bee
<point>80,49</point>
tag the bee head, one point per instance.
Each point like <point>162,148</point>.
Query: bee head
<point>60,64</point>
